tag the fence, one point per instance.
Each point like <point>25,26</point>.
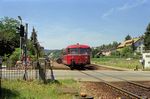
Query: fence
<point>40,70</point>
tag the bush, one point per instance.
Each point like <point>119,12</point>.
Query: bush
<point>115,54</point>
<point>14,57</point>
<point>127,52</point>
<point>137,55</point>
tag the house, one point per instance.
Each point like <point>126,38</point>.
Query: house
<point>106,52</point>
<point>138,44</point>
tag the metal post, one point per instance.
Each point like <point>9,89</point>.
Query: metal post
<point>20,47</point>
<point>25,53</point>
<point>19,17</point>
<point>37,59</point>
<point>1,60</point>
<point>52,74</point>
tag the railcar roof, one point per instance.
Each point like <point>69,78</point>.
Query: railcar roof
<point>78,46</point>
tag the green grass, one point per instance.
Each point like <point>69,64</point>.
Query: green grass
<point>118,62</point>
<point>20,89</point>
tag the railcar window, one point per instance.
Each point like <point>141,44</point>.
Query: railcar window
<point>84,51</point>
<point>73,51</point>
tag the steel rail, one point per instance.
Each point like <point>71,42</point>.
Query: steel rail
<point>127,93</point>
<point>131,82</point>
<point>140,85</point>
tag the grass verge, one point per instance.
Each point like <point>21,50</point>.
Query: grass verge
<point>118,62</point>
<point>19,89</point>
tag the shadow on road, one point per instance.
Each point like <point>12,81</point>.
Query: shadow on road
<point>87,67</point>
<point>95,67</point>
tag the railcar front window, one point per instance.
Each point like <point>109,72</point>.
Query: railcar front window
<point>84,51</point>
<point>73,51</point>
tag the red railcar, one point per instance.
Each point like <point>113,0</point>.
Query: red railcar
<point>76,55</point>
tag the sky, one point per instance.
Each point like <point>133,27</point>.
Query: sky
<point>60,23</point>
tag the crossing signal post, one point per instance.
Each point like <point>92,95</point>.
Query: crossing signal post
<point>21,31</point>
<point>23,45</point>
<point>25,52</point>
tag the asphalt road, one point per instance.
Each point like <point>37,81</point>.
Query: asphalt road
<point>81,75</point>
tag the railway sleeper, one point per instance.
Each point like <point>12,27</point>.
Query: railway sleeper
<point>125,92</point>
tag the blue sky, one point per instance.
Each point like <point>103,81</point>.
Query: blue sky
<point>94,22</point>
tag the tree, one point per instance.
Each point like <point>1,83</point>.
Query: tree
<point>9,39</point>
<point>34,36</point>
<point>147,38</point>
<point>33,42</point>
<point>128,37</point>
<point>94,52</point>
<point>37,47</point>
<point>115,44</point>
<point>15,56</point>
<point>127,51</point>
<point>30,47</point>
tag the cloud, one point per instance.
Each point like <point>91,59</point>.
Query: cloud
<point>126,6</point>
<point>130,6</point>
<point>108,13</point>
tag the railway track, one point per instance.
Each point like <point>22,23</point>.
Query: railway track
<point>120,89</point>
<point>57,66</point>
<point>130,82</point>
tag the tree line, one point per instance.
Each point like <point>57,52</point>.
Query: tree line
<point>10,41</point>
<point>126,51</point>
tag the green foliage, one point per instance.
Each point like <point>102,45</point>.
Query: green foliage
<point>9,39</point>
<point>30,48</point>
<point>137,55</point>
<point>55,54</point>
<point>94,52</point>
<point>115,54</point>
<point>109,46</point>
<point>98,50</point>
<point>127,51</point>
<point>147,38</point>
<point>128,37</point>
<point>19,89</point>
<point>34,46</point>
<point>5,58</point>
<point>15,56</point>
<point>34,36</point>
<point>41,52</point>
<point>118,62</point>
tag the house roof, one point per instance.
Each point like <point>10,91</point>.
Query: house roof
<point>128,42</point>
<point>136,39</point>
